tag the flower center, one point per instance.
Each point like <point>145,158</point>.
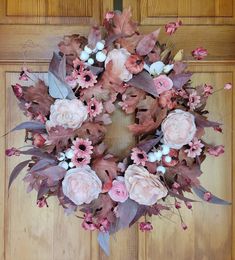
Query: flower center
<point>82,147</point>
<point>87,78</point>
<point>80,159</point>
<point>140,156</point>
<point>138,62</point>
<point>93,107</point>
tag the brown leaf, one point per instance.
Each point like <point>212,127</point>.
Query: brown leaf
<point>129,43</point>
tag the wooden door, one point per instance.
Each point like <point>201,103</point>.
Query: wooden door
<point>29,32</point>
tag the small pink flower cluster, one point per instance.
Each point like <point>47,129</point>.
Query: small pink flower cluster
<point>88,223</point>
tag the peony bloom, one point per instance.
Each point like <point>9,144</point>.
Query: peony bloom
<point>94,107</point>
<point>81,185</point>
<point>18,91</point>
<point>162,83</point>
<point>119,58</point>
<point>171,27</point>
<point>207,90</point>
<point>178,129</point>
<point>145,226</point>
<point>80,160</point>
<point>67,113</point>
<point>86,79</point>
<point>118,191</point>
<point>82,147</point>
<point>194,100</point>
<point>135,64</point>
<point>216,150</point>
<point>199,53</point>
<point>228,86</point>
<point>139,156</point>
<point>195,148</point>
<point>143,187</point>
<point>38,140</point>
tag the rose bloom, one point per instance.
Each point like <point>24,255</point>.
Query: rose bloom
<point>178,129</point>
<point>67,113</point>
<point>162,83</point>
<point>135,64</point>
<point>119,58</point>
<point>143,187</point>
<point>81,185</point>
<point>199,53</point>
<point>118,191</point>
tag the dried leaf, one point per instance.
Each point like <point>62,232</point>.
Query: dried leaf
<point>179,80</point>
<point>149,144</point>
<point>179,67</point>
<point>38,153</point>
<point>53,173</point>
<point>104,241</point>
<point>30,126</point>
<point>179,55</point>
<point>202,121</point>
<point>129,43</point>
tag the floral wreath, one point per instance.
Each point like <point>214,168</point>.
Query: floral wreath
<point>87,80</point>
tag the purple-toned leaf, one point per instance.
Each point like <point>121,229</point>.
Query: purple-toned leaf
<point>149,144</point>
<point>16,171</point>
<point>201,121</point>
<point>146,45</point>
<point>181,197</point>
<point>42,164</point>
<point>200,191</point>
<point>103,240</point>
<point>179,67</point>
<point>54,173</point>
<point>141,211</point>
<point>180,80</point>
<point>94,36</point>
<point>43,190</point>
<point>95,70</point>
<point>37,152</point>
<point>30,125</point>
<point>144,81</point>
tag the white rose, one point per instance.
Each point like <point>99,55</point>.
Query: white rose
<point>81,185</point>
<point>143,187</point>
<point>67,113</point>
<point>119,58</point>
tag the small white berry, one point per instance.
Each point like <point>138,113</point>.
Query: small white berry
<point>84,56</point>
<point>158,155</point>
<point>161,169</point>
<point>100,56</point>
<point>61,156</point>
<point>90,61</point>
<point>168,159</point>
<point>100,46</point>
<point>151,157</point>
<point>64,165</point>
<point>71,165</point>
<point>165,149</point>
<point>69,153</point>
<point>87,49</point>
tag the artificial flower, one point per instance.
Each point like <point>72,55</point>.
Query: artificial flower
<point>119,58</point>
<point>71,81</point>
<point>143,187</point>
<point>156,68</point>
<point>171,27</point>
<point>194,100</point>
<point>104,225</point>
<point>12,151</point>
<point>162,83</point>
<point>82,147</point>
<point>139,156</point>
<point>42,202</point>
<point>199,53</point>
<point>109,15</point>
<point>216,150</point>
<point>145,226</point>
<point>118,191</point>
<point>81,185</point>
<point>134,63</point>
<point>80,160</point>
<point>184,226</point>
<point>228,86</point>
<point>94,107</point>
<point>39,140</point>
<point>78,65</point>
<point>168,99</point>
<point>178,129</point>
<point>87,223</point>
<point>18,91</point>
<point>23,74</point>
<point>86,79</point>
<point>195,148</point>
<point>207,90</point>
<point>67,113</point>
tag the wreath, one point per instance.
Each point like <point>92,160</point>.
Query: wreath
<point>88,79</point>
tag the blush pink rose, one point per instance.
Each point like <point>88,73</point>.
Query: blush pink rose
<point>118,191</point>
<point>119,58</point>
<point>67,113</point>
<point>178,129</point>
<point>162,83</point>
<point>81,185</point>
<point>143,187</point>
<point>199,53</point>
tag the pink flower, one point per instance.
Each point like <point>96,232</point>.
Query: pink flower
<point>80,160</point>
<point>86,79</point>
<point>109,15</point>
<point>199,53</point>
<point>178,129</point>
<point>145,226</point>
<point>78,65</point>
<point>195,148</point>
<point>81,185</point>
<point>167,99</point>
<point>177,205</point>
<point>118,191</point>
<point>23,76</point>
<point>143,187</point>
<point>216,150</point>
<point>94,107</point>
<point>38,140</point>
<point>228,86</point>
<point>12,151</point>
<point>207,196</point>
<point>42,202</point>
<point>194,100</point>
<point>188,204</point>
<point>139,157</point>
<point>162,83</point>
<point>175,185</point>
<point>82,147</point>
<point>135,64</point>
<point>18,91</point>
<point>104,225</point>
<point>184,226</point>
<point>171,27</point>
<point>208,90</point>
<point>71,81</point>
<point>87,223</point>
<point>41,118</point>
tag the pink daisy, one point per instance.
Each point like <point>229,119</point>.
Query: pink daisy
<point>82,147</point>
<point>195,148</point>
<point>208,90</point>
<point>80,160</point>
<point>194,100</point>
<point>86,79</point>
<point>78,65</point>
<point>139,156</point>
<point>94,107</point>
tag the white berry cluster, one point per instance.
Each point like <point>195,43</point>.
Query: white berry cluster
<point>157,156</point>
<point>65,158</point>
<point>97,53</point>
